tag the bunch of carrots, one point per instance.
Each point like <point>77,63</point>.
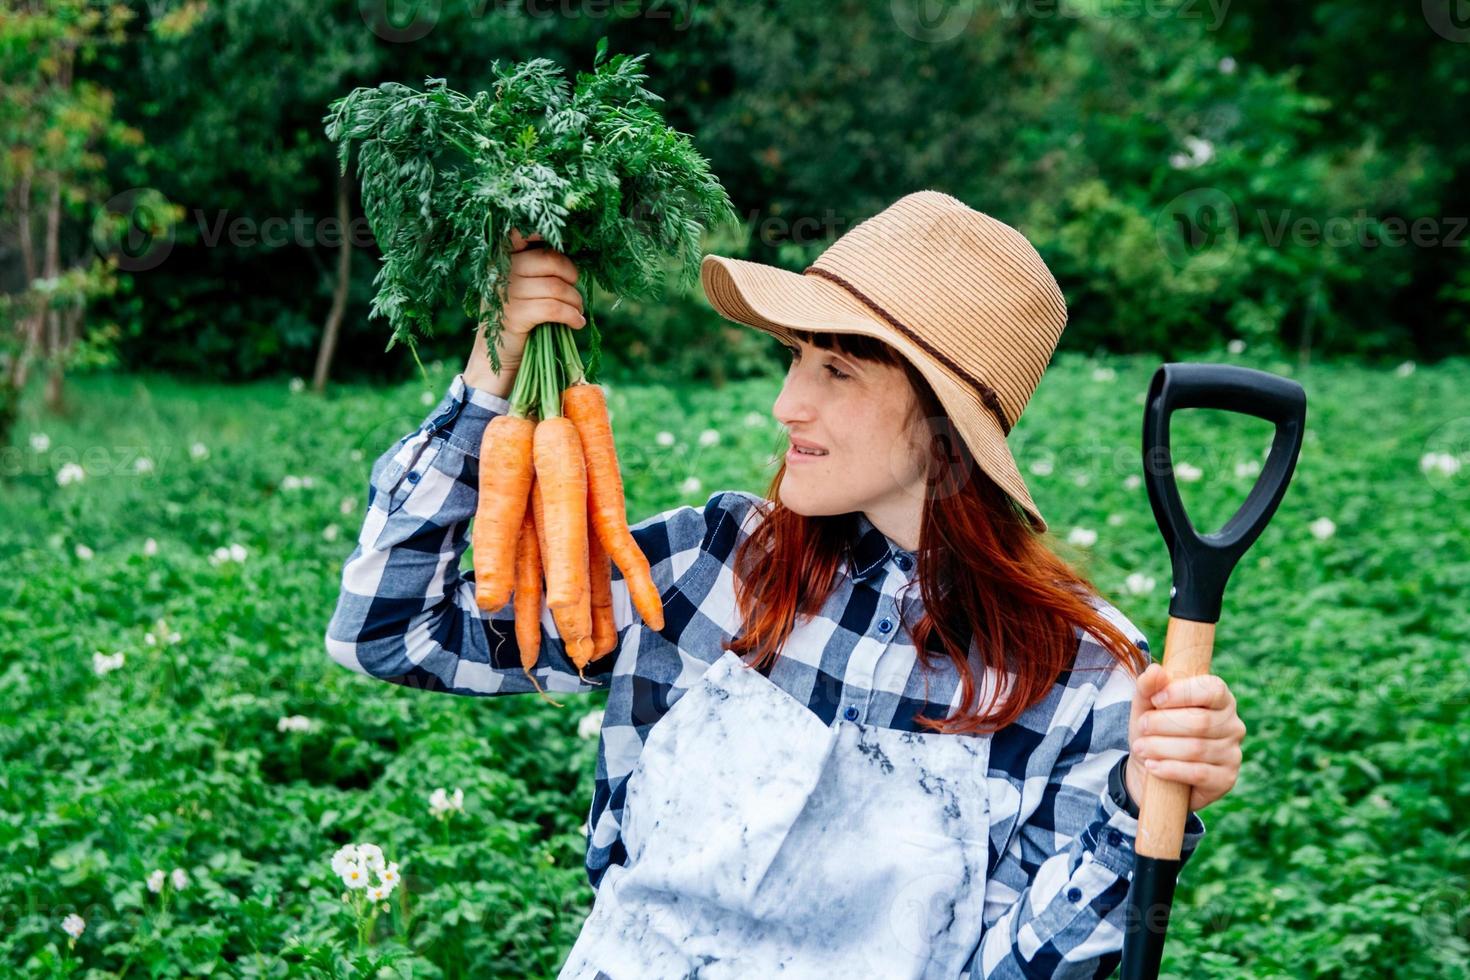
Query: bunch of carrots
<point>551,508</point>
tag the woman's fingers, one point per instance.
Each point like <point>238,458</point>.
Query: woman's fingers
<point>524,315</point>
<point>1202,722</point>
<point>518,242</point>
<point>1208,782</point>
<point>1204,690</point>
<point>1211,751</point>
<point>543,262</point>
<point>544,287</point>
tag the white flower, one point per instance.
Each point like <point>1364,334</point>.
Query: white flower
<point>150,547</point>
<point>1188,473</point>
<point>354,875</point>
<point>179,878</point>
<point>1139,583</point>
<point>1236,346</point>
<point>691,485</point>
<point>347,506</point>
<point>1445,464</point>
<point>1132,481</point>
<point>355,455</point>
<point>1249,467</point>
<point>370,856</point>
<point>1081,479</point>
<point>70,473</point>
<point>1114,520</point>
<point>1041,467</point>
<point>390,876</point>
<point>1404,370</point>
<point>143,465</point>
<point>709,437</point>
<point>84,553</point>
<point>1082,536</point>
<point>1227,65</point>
<point>155,881</point>
<point>106,663</point>
<point>237,552</point>
<point>294,723</point>
<point>40,442</point>
<point>427,398</point>
<point>73,925</point>
<point>377,893</point>
<point>330,532</point>
<point>1322,528</point>
<point>590,724</point>
<point>289,482</point>
<point>346,855</point>
<point>199,450</point>
<point>754,419</point>
<point>441,803</point>
<point>664,438</point>
<point>297,386</point>
<point>1103,374</point>
<point>1201,152</point>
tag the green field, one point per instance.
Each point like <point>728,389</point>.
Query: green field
<point>1342,850</point>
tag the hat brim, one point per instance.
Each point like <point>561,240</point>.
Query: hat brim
<point>776,301</point>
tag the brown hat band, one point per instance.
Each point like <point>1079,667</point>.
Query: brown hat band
<point>987,393</point>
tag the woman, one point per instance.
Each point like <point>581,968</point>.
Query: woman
<point>884,731</point>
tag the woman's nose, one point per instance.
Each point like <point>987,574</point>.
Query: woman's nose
<point>792,404</point>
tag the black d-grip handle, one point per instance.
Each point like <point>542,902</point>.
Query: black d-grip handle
<point>1203,563</point>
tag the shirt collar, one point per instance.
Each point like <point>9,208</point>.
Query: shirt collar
<point>873,551</point>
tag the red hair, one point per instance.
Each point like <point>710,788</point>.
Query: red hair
<point>985,576</point>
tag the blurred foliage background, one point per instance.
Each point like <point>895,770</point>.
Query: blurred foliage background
<point>1193,172</point>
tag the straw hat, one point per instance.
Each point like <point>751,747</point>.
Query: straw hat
<point>964,297</point>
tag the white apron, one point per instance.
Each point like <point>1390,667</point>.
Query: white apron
<point>761,842</point>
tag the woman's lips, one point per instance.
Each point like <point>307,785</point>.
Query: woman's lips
<point>793,455</point>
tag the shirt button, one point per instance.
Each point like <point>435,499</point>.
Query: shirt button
<point>1074,894</point>
<point>850,713</point>
<point>413,477</point>
<point>885,625</point>
<point>1115,838</point>
<point>904,562</point>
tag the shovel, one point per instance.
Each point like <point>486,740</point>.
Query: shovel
<point>1201,565</point>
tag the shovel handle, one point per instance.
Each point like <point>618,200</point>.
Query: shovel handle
<point>1164,809</point>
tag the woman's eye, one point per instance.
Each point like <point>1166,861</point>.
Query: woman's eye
<point>836,373</point>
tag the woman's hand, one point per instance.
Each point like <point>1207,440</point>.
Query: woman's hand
<point>1193,738</point>
<point>541,289</point>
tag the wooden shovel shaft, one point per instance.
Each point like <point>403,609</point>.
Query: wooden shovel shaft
<point>1164,809</point>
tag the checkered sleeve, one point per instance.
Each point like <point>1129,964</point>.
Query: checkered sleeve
<point>1055,903</point>
<point>406,613</point>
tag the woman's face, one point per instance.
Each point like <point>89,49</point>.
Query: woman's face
<point>876,458</point>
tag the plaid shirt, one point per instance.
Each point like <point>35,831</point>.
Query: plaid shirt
<point>1061,851</point>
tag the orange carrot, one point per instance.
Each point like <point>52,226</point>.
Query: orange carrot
<point>604,626</point>
<point>586,406</point>
<point>528,600</point>
<point>568,622</point>
<point>584,627</point>
<point>562,477</point>
<point>505,484</point>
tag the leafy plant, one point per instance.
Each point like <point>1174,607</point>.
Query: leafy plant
<point>593,169</point>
